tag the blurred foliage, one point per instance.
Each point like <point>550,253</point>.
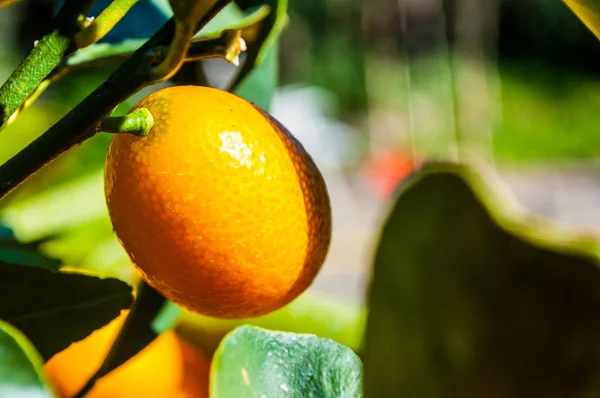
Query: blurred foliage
<point>335,49</point>
<point>546,114</point>
<point>321,315</point>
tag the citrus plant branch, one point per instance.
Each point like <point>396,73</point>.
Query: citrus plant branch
<point>186,13</point>
<point>176,53</point>
<point>204,47</point>
<point>46,55</point>
<point>103,24</point>
<point>56,74</point>
<point>80,123</point>
<point>272,25</point>
<point>130,340</point>
<point>138,122</point>
<point>228,41</point>
<point>227,46</point>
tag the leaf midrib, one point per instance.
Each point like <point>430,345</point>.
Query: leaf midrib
<point>96,302</point>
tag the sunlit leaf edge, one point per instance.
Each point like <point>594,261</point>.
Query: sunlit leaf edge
<point>30,352</point>
<point>507,212</point>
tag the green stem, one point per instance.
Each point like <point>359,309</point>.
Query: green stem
<point>177,51</point>
<point>138,122</point>
<point>80,123</point>
<point>43,58</point>
<point>228,46</point>
<point>104,23</point>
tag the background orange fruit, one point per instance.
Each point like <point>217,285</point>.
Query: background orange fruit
<point>168,367</point>
<point>219,206</point>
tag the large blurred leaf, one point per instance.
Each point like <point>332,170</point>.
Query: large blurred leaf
<point>472,297</point>
<point>319,315</point>
<point>104,51</point>
<point>57,208</point>
<point>231,17</point>
<point>27,127</point>
<point>20,366</point>
<point>254,362</point>
<point>589,12</point>
<point>55,309</point>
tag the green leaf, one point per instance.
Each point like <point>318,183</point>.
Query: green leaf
<point>254,362</point>
<point>231,17</point>
<point>589,12</point>
<point>55,309</point>
<point>21,372</point>
<point>103,51</point>
<point>473,297</point>
<point>262,82</point>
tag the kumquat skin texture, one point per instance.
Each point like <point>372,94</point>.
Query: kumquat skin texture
<point>219,206</point>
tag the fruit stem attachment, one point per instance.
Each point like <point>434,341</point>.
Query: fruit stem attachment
<point>139,122</point>
<point>228,46</point>
<point>103,24</point>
